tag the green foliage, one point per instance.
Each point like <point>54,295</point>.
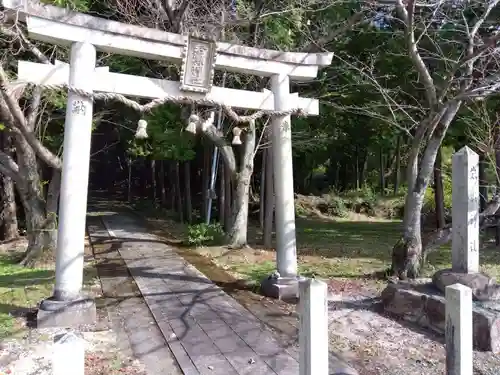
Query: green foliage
<point>126,64</point>
<point>300,210</point>
<point>78,5</point>
<point>203,234</point>
<point>281,30</point>
<point>337,207</point>
<point>167,134</point>
<point>429,201</point>
<point>166,137</point>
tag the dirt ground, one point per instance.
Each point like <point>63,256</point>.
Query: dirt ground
<point>371,341</point>
<point>31,354</point>
<point>27,350</point>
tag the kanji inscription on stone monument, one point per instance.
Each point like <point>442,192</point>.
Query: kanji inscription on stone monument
<point>465,200</point>
<point>198,65</point>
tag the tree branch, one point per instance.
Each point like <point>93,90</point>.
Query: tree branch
<point>9,167</point>
<point>32,115</point>
<point>407,14</point>
<point>175,15</point>
<point>227,152</point>
<point>317,45</point>
<point>20,123</point>
<point>18,36</point>
<point>24,43</point>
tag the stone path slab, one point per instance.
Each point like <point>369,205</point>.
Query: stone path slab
<point>206,329</point>
<point>138,334</point>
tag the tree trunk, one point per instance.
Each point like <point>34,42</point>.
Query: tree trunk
<point>41,218</point>
<point>40,227</point>
<point>382,171</point>
<point>228,199</point>
<point>397,175</point>
<point>263,192</point>
<point>222,193</point>
<point>439,192</point>
<point>187,187</point>
<point>238,236</point>
<point>356,169</point>
<point>496,135</point>
<point>36,222</point>
<point>9,210</point>
<point>153,180</point>
<point>52,209</point>
<point>269,206</point>
<point>178,193</point>
<point>33,201</point>
<point>129,193</point>
<point>163,190</point>
<point>407,257</point>
<point>172,186</point>
<point>364,169</point>
<point>407,253</point>
<point>497,164</point>
<point>337,175</point>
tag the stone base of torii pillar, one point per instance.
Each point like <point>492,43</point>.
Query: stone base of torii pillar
<point>73,313</point>
<point>284,288</point>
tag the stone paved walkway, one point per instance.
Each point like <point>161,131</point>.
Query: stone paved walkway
<point>207,330</point>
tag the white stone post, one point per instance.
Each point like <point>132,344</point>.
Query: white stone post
<point>75,174</point>
<point>68,355</point>
<point>459,336</point>
<point>465,211</point>
<point>313,333</point>
<point>286,252</point>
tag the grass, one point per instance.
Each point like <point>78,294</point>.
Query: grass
<point>21,289</point>
<point>328,249</point>
<point>357,248</point>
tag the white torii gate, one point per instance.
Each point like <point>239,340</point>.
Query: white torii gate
<point>86,34</point>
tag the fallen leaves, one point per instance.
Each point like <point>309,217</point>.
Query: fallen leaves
<point>102,363</point>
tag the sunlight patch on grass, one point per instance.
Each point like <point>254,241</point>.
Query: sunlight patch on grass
<point>21,289</point>
<point>323,269</point>
<point>331,248</point>
<point>328,249</point>
<point>489,260</point>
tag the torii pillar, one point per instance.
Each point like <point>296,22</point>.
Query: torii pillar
<point>284,283</point>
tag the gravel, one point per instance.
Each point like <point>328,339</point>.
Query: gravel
<point>376,344</point>
<point>31,354</point>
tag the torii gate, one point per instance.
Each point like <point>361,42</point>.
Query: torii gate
<point>199,58</point>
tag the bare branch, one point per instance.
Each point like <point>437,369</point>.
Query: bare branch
<point>9,167</point>
<point>407,14</point>
<point>218,139</point>
<point>20,123</point>
<point>19,37</point>
<point>317,45</point>
<point>32,115</point>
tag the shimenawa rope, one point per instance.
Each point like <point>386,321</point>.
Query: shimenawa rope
<point>142,108</point>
